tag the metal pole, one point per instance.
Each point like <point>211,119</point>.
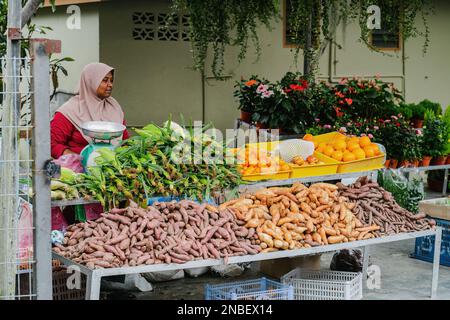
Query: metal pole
<point>444,187</point>
<point>436,262</point>
<point>307,49</point>
<point>10,169</point>
<point>42,280</point>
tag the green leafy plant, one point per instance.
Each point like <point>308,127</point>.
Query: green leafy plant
<point>418,111</point>
<point>433,106</point>
<point>435,135</point>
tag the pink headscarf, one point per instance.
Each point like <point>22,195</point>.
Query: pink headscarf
<point>86,105</point>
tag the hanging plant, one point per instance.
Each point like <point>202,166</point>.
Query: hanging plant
<point>220,23</point>
<point>217,24</point>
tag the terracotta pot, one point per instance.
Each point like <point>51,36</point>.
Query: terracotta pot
<point>438,161</point>
<point>404,164</point>
<point>425,161</point>
<point>393,164</point>
<point>448,160</point>
<point>386,164</point>
<point>246,116</point>
<point>260,125</point>
<point>415,163</point>
<point>418,123</point>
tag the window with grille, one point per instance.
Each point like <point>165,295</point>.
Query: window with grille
<point>386,38</point>
<point>153,26</point>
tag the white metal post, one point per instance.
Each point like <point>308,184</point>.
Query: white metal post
<point>436,262</point>
<point>40,49</point>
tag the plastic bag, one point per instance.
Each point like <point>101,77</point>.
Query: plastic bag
<point>406,192</point>
<point>229,270</point>
<point>70,161</point>
<point>25,229</point>
<point>129,282</point>
<point>164,275</point>
<point>347,260</point>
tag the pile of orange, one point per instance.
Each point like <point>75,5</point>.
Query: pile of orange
<point>256,161</point>
<point>346,149</point>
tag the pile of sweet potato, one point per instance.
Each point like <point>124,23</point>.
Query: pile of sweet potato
<point>300,217</point>
<point>172,232</point>
<point>374,205</point>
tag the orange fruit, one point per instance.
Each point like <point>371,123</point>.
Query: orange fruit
<point>375,148</point>
<point>359,154</point>
<point>320,149</point>
<point>340,145</point>
<point>364,141</point>
<point>337,155</point>
<point>352,145</point>
<point>308,137</point>
<point>328,151</point>
<point>348,156</point>
<point>369,152</point>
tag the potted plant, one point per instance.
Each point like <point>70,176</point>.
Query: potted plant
<point>418,115</point>
<point>411,154</point>
<point>430,105</point>
<point>446,119</point>
<point>435,138</point>
<point>247,96</point>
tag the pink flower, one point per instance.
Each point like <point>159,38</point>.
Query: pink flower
<point>387,121</point>
<point>267,94</point>
<point>370,136</point>
<point>317,120</point>
<point>262,88</point>
<point>363,134</point>
<point>327,126</point>
<point>349,124</point>
<point>343,129</point>
<point>376,128</point>
<point>343,81</point>
<point>418,132</point>
<point>394,117</point>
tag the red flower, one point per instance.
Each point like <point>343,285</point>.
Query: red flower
<point>339,95</point>
<point>397,124</point>
<point>349,101</point>
<point>339,113</point>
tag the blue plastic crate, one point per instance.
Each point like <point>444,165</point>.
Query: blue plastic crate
<point>258,289</point>
<point>424,249</point>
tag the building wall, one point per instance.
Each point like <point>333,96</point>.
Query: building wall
<point>82,44</point>
<point>153,77</point>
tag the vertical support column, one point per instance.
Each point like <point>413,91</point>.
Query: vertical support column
<point>444,187</point>
<point>366,251</point>
<point>436,262</point>
<point>42,281</point>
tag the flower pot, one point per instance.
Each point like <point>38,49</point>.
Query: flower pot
<point>386,164</point>
<point>246,116</point>
<point>425,161</point>
<point>448,160</point>
<point>260,125</point>
<point>418,123</point>
<point>393,164</point>
<point>438,161</point>
<point>415,163</point>
<point>404,164</point>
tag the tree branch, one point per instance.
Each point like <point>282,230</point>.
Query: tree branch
<point>29,10</point>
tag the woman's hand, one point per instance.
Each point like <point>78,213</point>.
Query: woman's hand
<point>68,151</point>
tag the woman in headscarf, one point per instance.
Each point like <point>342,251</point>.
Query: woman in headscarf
<point>92,103</point>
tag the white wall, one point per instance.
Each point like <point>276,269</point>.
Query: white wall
<point>82,45</point>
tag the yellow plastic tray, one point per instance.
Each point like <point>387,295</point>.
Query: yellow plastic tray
<point>330,167</point>
<point>281,175</point>
<point>368,164</point>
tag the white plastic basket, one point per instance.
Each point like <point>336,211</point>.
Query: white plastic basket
<point>324,285</point>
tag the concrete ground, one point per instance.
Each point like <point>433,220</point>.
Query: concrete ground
<point>401,278</point>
